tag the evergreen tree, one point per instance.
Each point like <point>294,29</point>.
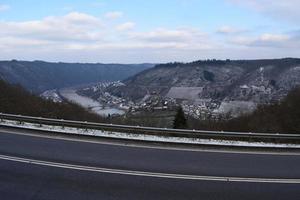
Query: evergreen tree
<point>180,121</point>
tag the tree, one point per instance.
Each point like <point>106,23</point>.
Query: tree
<point>180,121</point>
<point>209,76</point>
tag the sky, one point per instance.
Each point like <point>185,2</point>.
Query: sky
<point>154,31</point>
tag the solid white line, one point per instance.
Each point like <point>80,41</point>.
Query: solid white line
<point>136,145</point>
<point>148,174</point>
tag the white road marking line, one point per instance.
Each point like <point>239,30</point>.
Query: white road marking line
<point>131,145</point>
<point>148,174</point>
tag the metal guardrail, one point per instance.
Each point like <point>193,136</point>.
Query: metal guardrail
<point>294,138</point>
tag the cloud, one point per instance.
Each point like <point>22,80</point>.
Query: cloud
<point>180,39</point>
<point>4,7</point>
<point>79,19</point>
<point>226,30</point>
<point>81,37</point>
<point>113,15</point>
<point>274,37</point>
<point>266,40</point>
<point>167,35</point>
<point>177,39</point>
<point>73,26</point>
<point>278,9</point>
<point>125,26</point>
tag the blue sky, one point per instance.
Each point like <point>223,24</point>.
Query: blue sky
<point>135,31</point>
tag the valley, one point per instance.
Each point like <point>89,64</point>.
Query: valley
<point>204,89</point>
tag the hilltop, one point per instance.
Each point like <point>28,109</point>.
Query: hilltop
<point>39,76</point>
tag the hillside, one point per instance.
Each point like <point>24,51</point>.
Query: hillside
<point>280,117</point>
<point>214,86</point>
<point>39,76</point>
<point>16,100</point>
<point>238,80</point>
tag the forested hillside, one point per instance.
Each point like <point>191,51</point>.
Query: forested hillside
<point>39,76</point>
<point>16,100</point>
<point>280,117</point>
<point>259,81</point>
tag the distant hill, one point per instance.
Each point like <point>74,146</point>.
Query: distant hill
<point>16,100</point>
<point>259,81</point>
<point>38,76</point>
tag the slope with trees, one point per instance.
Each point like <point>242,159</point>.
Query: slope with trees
<point>279,117</point>
<point>38,76</point>
<point>16,100</point>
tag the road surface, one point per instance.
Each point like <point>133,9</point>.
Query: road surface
<point>34,167</point>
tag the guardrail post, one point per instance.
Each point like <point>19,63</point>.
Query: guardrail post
<point>40,123</point>
<point>19,121</point>
<point>62,124</point>
<point>86,127</point>
<point>250,137</point>
<point>277,140</point>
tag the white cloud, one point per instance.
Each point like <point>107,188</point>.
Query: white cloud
<point>80,37</point>
<point>226,30</point>
<point>113,15</point>
<point>274,37</point>
<point>79,19</point>
<point>230,30</point>
<point>73,26</point>
<point>180,39</point>
<point>265,40</point>
<point>4,7</point>
<point>166,35</point>
<point>277,9</point>
<point>126,26</point>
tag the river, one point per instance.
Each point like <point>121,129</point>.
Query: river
<point>88,103</point>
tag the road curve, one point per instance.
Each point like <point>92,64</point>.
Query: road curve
<point>48,168</point>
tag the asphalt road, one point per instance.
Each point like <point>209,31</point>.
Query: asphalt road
<point>53,180</point>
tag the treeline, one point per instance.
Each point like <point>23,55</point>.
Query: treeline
<point>249,64</point>
<point>195,63</point>
<point>16,100</point>
<point>281,117</point>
